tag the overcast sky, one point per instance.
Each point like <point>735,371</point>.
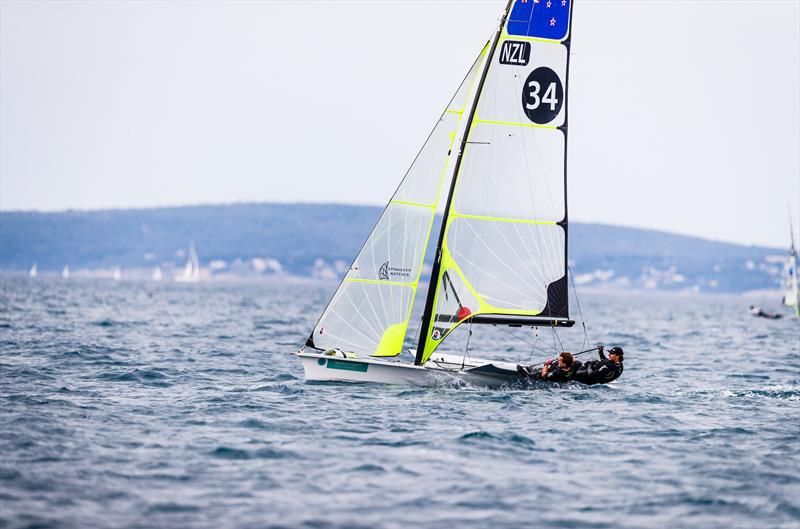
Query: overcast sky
<point>684,116</point>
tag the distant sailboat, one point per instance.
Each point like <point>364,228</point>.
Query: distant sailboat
<point>34,271</point>
<point>191,272</point>
<point>117,274</point>
<point>65,272</point>
<point>157,275</point>
<point>791,294</point>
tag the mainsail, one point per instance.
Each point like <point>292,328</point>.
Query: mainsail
<point>497,159</point>
<point>502,254</point>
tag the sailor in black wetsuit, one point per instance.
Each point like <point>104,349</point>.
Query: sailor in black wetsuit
<point>562,369</point>
<point>601,371</point>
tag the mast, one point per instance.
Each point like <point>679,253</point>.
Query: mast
<point>437,263</point>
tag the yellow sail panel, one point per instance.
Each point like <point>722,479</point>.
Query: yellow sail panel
<point>391,343</point>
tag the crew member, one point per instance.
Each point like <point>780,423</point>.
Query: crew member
<point>601,371</point>
<point>560,370</point>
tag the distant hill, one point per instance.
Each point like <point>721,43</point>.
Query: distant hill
<point>322,239</point>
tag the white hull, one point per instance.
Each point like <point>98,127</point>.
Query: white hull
<point>439,370</point>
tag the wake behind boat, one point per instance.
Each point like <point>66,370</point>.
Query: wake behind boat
<point>496,161</point>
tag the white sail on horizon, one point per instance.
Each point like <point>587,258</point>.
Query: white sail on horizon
<point>191,271</point>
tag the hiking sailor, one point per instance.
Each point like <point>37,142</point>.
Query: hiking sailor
<point>601,371</point>
<point>560,370</point>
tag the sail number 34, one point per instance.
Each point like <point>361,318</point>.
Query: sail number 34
<point>549,96</point>
<point>542,95</point>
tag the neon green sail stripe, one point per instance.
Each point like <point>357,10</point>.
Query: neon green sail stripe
<point>417,204</point>
<point>454,214</point>
<point>513,124</point>
<point>505,36</point>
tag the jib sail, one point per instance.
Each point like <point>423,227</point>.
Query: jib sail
<point>370,311</point>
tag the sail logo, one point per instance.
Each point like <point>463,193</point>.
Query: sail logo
<point>515,53</point>
<point>383,273</point>
<point>387,273</point>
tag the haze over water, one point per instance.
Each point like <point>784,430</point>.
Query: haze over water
<point>134,404</point>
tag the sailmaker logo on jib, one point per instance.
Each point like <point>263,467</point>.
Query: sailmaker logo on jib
<point>388,273</point>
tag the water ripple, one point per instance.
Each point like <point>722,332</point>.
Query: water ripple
<point>165,405</point>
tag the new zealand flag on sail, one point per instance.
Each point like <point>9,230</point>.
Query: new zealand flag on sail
<point>544,19</point>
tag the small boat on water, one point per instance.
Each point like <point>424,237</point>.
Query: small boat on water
<point>496,163</point>
<point>191,272</point>
<point>157,275</point>
<point>65,272</point>
<point>791,289</point>
<point>34,271</point>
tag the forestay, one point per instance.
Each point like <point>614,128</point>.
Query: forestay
<point>504,246</point>
<point>370,311</point>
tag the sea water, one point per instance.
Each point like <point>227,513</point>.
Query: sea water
<point>133,404</point>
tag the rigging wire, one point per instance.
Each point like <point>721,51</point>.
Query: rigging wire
<point>586,340</point>
<point>533,349</point>
<point>466,347</point>
<point>533,345</point>
<point>556,337</point>
<point>416,336</point>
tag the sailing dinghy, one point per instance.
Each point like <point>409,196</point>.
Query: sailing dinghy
<point>496,162</point>
<point>791,295</point>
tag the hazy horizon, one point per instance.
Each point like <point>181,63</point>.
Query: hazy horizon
<point>682,120</point>
<point>778,247</point>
